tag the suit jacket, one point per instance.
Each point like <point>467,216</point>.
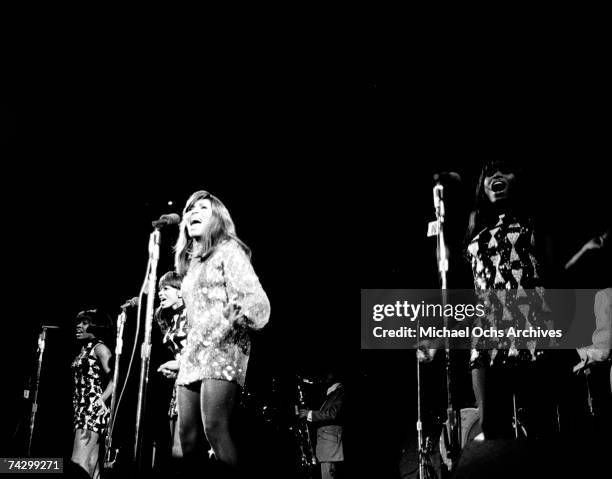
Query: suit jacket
<point>329,429</point>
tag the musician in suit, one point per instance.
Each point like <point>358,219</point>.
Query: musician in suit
<point>328,419</point>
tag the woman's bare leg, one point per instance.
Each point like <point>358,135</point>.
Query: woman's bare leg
<point>478,386</point>
<point>85,450</point>
<point>189,422</point>
<point>177,451</point>
<point>217,401</point>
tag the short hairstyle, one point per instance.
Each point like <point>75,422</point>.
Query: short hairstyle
<point>171,279</point>
<point>99,323</point>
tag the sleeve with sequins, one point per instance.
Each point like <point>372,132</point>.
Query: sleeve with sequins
<point>244,292</point>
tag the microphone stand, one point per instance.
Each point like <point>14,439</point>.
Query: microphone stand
<point>426,468</point>
<point>451,429</point>
<point>41,349</point>
<point>110,454</point>
<point>145,350</point>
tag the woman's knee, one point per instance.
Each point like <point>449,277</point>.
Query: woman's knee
<point>177,451</point>
<point>81,459</point>
<point>215,428</point>
<point>92,462</point>
<point>80,451</point>
<point>188,439</point>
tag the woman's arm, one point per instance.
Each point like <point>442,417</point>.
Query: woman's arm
<point>161,321</point>
<point>247,301</point>
<point>104,355</point>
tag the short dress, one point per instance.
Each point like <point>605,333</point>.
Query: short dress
<point>88,387</point>
<point>508,280</point>
<point>173,324</point>
<point>224,300</point>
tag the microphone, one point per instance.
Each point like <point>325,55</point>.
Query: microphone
<point>48,326</point>
<point>164,220</point>
<point>130,303</point>
<point>443,178</point>
<point>438,196</point>
<point>447,177</point>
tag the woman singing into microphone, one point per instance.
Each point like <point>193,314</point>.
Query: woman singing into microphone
<point>223,300</point>
<point>92,389</point>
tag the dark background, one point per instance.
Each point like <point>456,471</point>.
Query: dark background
<point>325,163</point>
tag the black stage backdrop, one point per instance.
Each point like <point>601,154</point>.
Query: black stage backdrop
<point>328,178</point>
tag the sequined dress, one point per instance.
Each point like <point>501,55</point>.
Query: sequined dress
<point>508,280</point>
<point>224,300</point>
<point>173,324</point>
<point>88,387</point>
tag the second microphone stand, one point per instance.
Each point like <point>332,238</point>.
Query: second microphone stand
<point>110,452</point>
<point>451,427</point>
<point>145,351</point>
<point>42,339</point>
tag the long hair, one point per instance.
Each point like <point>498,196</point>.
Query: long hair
<point>220,228</point>
<point>483,212</point>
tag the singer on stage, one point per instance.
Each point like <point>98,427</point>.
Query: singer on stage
<point>508,264</point>
<point>172,320</point>
<point>92,388</point>
<point>223,300</point>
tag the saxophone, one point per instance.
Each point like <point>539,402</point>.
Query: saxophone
<point>302,433</point>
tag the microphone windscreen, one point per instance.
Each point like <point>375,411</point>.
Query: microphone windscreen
<point>171,219</point>
<point>447,176</point>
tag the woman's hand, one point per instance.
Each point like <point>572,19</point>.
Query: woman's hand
<point>233,313</point>
<point>101,407</point>
<point>426,351</point>
<point>169,369</point>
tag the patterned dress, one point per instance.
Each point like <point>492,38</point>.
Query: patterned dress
<point>223,299</point>
<point>508,280</point>
<point>173,324</point>
<point>88,387</point>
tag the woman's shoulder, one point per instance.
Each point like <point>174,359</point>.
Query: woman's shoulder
<point>472,244</point>
<point>230,247</point>
<point>100,349</point>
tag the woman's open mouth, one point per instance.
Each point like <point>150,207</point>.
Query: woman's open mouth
<point>498,186</point>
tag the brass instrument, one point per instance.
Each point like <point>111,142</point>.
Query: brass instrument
<point>302,433</point>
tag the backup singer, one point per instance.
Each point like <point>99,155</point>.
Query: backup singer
<point>223,300</point>
<point>506,255</point>
<point>92,389</point>
<point>172,320</point>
